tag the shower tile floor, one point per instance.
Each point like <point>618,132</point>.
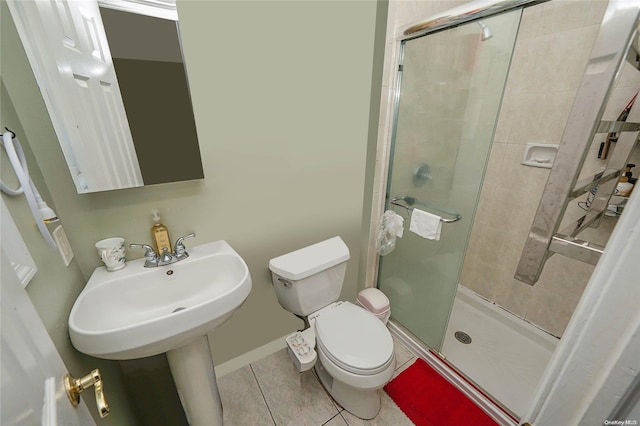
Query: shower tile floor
<point>270,391</point>
<point>506,357</point>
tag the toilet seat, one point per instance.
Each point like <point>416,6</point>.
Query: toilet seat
<point>353,339</point>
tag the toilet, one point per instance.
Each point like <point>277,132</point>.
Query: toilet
<point>349,347</point>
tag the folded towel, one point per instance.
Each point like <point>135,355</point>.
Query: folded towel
<point>425,224</point>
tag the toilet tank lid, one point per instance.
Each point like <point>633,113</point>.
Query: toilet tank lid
<point>310,260</point>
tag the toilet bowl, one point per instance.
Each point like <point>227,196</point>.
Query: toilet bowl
<point>356,356</point>
<point>349,347</point>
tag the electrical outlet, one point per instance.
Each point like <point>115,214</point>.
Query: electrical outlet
<point>63,245</point>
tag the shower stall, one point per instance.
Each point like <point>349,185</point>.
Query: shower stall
<point>451,295</point>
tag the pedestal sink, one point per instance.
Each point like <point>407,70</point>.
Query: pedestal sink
<point>138,312</point>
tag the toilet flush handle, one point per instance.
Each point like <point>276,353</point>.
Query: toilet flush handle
<point>286,282</point>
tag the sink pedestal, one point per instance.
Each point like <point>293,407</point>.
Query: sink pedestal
<point>195,378</point>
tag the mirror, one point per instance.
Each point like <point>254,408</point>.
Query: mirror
<point>112,75</point>
<point>148,62</point>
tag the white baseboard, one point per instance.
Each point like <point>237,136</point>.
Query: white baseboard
<point>251,356</point>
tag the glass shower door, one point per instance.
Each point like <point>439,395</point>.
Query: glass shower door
<point>451,87</point>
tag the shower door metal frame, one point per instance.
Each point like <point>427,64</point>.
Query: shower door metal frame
<point>434,23</point>
<point>444,22</point>
<point>429,27</point>
<point>434,358</point>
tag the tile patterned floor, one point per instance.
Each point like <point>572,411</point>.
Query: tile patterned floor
<point>272,392</point>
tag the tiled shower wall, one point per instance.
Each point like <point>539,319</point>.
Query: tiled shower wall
<point>553,45</point>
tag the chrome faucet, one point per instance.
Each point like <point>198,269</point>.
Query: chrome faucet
<point>153,259</point>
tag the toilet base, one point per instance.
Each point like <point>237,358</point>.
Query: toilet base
<point>364,404</point>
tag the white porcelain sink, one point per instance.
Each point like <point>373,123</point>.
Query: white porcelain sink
<point>138,312</point>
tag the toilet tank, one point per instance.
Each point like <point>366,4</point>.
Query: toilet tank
<point>310,278</point>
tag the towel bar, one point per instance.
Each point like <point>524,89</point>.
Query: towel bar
<point>409,200</point>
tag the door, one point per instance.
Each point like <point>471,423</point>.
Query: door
<point>32,370</point>
<point>450,88</point>
<point>93,130</point>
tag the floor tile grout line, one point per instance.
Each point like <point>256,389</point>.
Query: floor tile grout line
<point>339,409</point>
<point>262,393</point>
<point>333,401</point>
<point>341,413</point>
<point>336,415</point>
<point>398,367</point>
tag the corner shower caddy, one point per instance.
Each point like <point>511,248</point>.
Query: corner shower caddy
<point>614,44</point>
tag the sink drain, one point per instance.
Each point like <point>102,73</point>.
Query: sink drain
<point>177,310</point>
<point>462,337</point>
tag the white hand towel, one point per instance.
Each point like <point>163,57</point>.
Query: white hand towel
<point>425,224</point>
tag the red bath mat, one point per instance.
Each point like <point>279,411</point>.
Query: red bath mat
<point>430,400</point>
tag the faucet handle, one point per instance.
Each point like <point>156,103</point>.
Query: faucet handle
<point>150,256</point>
<point>180,250</point>
<point>147,247</point>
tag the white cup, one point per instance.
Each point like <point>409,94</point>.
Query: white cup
<point>112,253</point>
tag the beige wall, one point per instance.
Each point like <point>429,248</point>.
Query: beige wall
<point>282,95</point>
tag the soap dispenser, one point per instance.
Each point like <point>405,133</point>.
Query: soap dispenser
<point>160,235</point>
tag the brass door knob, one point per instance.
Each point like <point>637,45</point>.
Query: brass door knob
<point>75,387</point>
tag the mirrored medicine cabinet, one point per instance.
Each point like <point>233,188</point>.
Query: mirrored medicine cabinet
<point>112,75</point>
